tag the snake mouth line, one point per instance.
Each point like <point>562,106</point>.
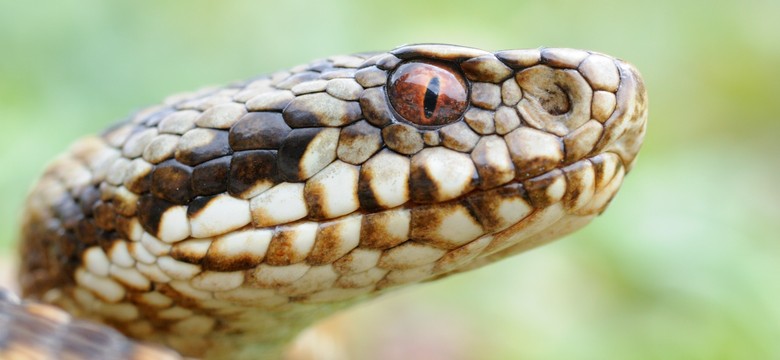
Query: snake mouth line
<point>603,165</point>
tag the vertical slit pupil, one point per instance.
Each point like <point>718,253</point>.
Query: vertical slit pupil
<point>431,97</point>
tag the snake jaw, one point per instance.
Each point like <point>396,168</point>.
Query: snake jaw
<point>212,219</point>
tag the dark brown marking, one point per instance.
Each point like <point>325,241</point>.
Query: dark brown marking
<point>105,215</point>
<point>527,166</point>
<point>426,219</point>
<point>180,252</point>
<point>437,51</point>
<point>123,226</point>
<point>171,181</point>
<point>198,204</point>
<point>315,196</point>
<point>599,168</point>
<point>211,177</point>
<point>368,201</point>
<point>105,239</point>
<point>575,185</point>
<point>219,262</point>
<point>554,98</point>
<point>126,206</point>
<point>490,175</point>
<point>250,168</point>
<point>150,212</point>
<point>537,188</point>
<point>292,150</point>
<point>423,187</point>
<point>320,109</point>
<point>485,205</point>
<point>140,184</point>
<point>326,247</point>
<point>258,130</point>
<point>281,249</point>
<point>87,232</point>
<point>374,233</point>
<point>218,147</point>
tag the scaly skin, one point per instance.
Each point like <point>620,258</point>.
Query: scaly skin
<point>222,222</point>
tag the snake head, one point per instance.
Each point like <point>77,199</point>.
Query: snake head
<point>494,153</point>
<point>251,205</point>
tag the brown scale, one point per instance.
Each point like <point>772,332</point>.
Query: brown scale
<point>218,146</point>
<point>375,107</point>
<point>318,109</point>
<point>403,138</point>
<point>140,184</point>
<point>295,145</point>
<point>249,169</point>
<point>280,249</point>
<point>235,263</point>
<point>123,226</point>
<point>366,196</point>
<point>484,204</point>
<point>151,210</point>
<point>211,177</point>
<point>325,249</point>
<point>357,142</point>
<point>259,130</point>
<point>179,252</point>
<point>374,231</point>
<point>171,181</point>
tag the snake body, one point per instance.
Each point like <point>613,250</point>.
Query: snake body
<point>222,222</point>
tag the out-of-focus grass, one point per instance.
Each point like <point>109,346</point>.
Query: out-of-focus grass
<point>682,266</point>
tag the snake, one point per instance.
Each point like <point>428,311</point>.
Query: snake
<point>221,222</point>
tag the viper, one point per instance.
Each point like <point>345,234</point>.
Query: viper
<point>220,223</point>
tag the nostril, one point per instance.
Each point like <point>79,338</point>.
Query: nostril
<point>555,100</point>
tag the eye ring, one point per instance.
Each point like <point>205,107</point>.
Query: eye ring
<point>428,93</point>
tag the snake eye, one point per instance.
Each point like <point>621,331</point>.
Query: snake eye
<point>428,93</point>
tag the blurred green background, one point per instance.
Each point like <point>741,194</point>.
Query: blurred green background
<point>684,265</point>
